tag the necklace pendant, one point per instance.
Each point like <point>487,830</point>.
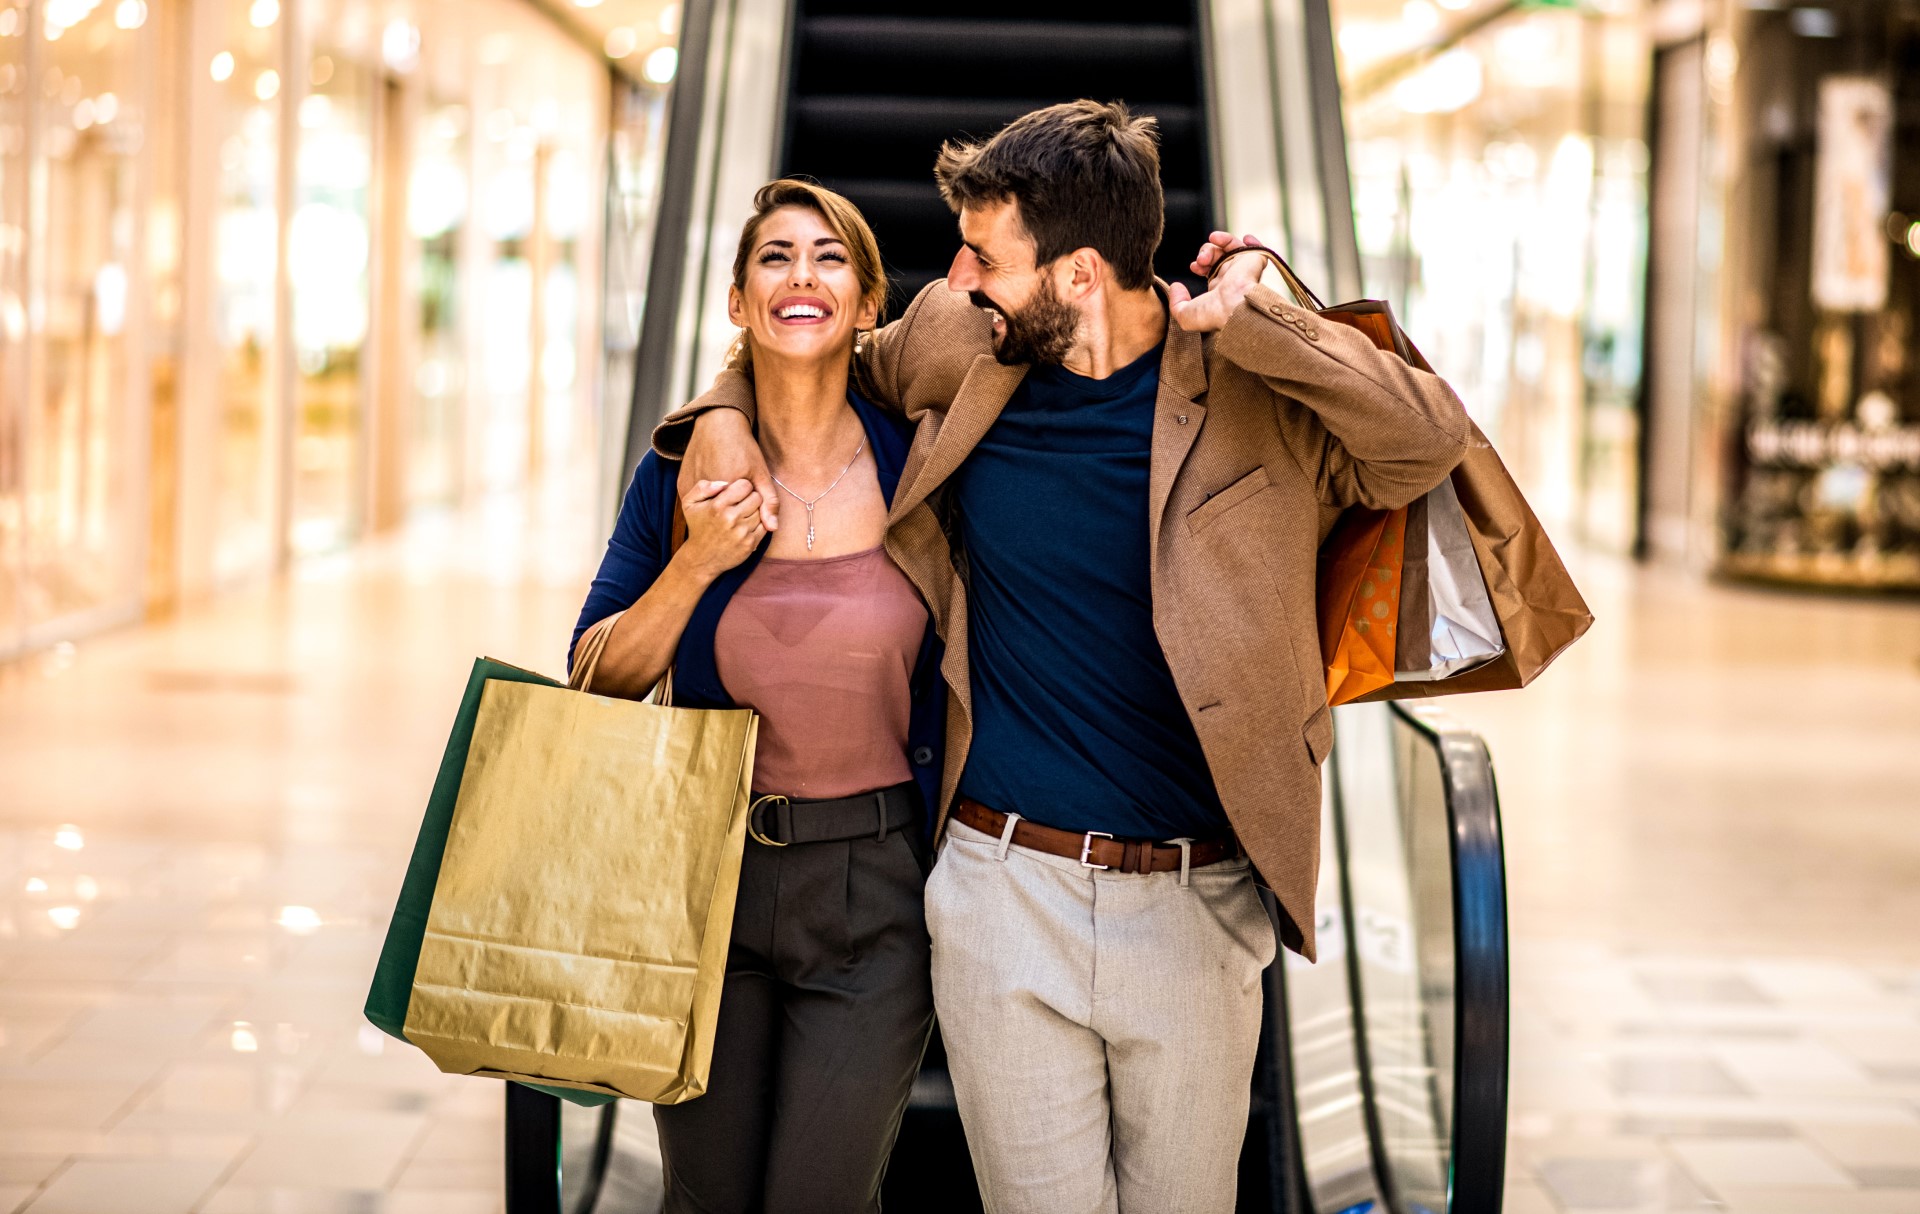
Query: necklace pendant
<point>809,537</point>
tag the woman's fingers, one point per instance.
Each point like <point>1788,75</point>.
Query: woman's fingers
<point>703,491</point>
<point>733,494</point>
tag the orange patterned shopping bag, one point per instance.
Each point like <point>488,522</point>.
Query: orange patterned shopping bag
<point>1360,600</point>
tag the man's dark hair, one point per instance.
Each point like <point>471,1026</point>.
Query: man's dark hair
<point>1085,175</point>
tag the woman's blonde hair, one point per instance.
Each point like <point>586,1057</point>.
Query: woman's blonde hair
<point>842,218</point>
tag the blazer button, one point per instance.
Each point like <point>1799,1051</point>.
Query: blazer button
<point>1183,419</point>
<point>922,756</point>
<point>1275,309</point>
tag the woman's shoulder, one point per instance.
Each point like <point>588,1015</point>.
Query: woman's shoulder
<point>651,493</point>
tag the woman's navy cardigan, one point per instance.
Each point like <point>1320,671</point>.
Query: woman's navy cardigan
<point>642,543</point>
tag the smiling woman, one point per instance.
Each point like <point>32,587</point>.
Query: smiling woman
<point>827,1001</point>
<point>801,225</point>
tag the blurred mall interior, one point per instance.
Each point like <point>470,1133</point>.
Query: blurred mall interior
<point>330,329</point>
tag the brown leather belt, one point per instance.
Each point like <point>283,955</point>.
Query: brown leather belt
<point>1096,849</point>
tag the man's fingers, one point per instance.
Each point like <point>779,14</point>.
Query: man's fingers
<point>702,491</point>
<point>1178,297</point>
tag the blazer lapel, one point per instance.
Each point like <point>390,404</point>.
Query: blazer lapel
<point>975,408</point>
<point>1177,418</point>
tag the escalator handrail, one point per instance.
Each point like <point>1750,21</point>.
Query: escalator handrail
<point>1480,1064</point>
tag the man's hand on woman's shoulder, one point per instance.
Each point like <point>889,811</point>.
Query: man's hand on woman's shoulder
<point>723,449</point>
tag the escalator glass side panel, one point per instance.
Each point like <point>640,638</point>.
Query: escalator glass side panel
<point>1481,998</point>
<point>1336,1152</point>
<point>1395,971</point>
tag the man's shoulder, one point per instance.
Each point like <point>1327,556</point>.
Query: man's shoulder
<point>946,320</point>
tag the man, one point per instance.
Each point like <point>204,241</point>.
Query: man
<point>1115,519</point>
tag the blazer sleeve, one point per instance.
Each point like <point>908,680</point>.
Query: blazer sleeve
<point>637,552</point>
<point>1367,428</point>
<point>914,364</point>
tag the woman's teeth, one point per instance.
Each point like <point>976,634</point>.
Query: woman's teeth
<point>800,310</point>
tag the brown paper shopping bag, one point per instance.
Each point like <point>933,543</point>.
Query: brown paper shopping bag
<point>1538,609</point>
<point>579,929</point>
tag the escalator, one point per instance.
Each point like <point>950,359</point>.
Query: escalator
<point>1380,1083</point>
<point>879,85</point>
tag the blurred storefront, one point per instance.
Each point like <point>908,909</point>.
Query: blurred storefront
<point>276,274</point>
<point>1500,168</point>
<point>1810,467</point>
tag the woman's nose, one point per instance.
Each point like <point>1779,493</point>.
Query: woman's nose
<point>802,275</point>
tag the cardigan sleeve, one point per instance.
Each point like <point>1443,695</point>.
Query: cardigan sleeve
<point>636,554</point>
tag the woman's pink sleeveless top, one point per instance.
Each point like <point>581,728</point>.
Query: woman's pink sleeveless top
<point>824,651</point>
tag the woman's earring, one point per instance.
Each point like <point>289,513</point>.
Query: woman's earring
<point>860,341</point>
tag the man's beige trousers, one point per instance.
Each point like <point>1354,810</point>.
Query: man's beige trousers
<point>1100,1026</point>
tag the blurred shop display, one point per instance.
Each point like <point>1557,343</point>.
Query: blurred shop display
<point>277,274</point>
<point>1499,172</point>
<point>1821,480</point>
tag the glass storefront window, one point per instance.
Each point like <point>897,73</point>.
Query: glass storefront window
<point>15,113</point>
<point>74,87</point>
<point>240,77</point>
<point>329,257</point>
<point>438,203</point>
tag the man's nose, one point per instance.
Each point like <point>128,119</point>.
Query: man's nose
<point>961,275</point>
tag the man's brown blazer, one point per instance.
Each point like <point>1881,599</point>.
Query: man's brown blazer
<point>1262,432</point>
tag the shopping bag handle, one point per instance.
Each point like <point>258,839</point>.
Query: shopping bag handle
<point>1302,293</point>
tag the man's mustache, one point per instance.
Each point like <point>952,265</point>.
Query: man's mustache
<point>985,304</point>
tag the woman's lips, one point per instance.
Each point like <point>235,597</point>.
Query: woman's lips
<point>802,310</point>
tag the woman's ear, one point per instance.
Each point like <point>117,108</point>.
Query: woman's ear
<point>869,314</point>
<point>736,308</point>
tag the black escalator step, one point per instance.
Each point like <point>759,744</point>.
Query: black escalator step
<point>1041,10</point>
<point>854,116</point>
<point>992,58</point>
<point>873,136</point>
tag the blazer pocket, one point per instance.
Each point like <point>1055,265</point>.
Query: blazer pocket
<point>1318,732</point>
<point>1226,499</point>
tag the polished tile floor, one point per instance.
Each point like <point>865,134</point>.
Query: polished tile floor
<point>1713,835</point>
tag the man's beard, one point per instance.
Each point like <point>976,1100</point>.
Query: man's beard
<point>1042,333</point>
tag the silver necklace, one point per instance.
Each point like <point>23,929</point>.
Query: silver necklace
<point>823,493</point>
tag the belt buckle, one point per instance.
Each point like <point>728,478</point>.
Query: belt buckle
<point>753,819</point>
<point>1086,848</point>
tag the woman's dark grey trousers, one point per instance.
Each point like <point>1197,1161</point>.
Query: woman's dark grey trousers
<point>825,1013</point>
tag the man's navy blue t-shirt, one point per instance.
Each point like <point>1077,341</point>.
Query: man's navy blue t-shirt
<point>1076,720</point>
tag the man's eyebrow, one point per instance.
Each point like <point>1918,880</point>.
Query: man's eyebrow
<point>975,249</point>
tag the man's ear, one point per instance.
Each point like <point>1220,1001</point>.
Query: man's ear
<point>1082,272</point>
<point>736,308</point>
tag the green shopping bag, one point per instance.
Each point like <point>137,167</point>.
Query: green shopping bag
<point>392,987</point>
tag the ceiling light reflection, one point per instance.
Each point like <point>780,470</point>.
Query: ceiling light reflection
<point>69,838</point>
<point>300,920</point>
<point>66,918</point>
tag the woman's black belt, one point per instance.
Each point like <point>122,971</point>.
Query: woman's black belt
<point>777,821</point>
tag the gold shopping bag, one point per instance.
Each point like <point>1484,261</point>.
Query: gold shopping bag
<point>579,929</point>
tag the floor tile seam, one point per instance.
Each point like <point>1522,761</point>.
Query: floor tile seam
<point>412,1152</point>
<point>132,1102</point>
<point>225,1175</point>
<point>46,1182</point>
<point>120,989</point>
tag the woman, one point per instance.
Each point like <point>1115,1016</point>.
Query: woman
<point>827,1003</point>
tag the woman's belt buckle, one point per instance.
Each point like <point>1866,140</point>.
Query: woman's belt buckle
<point>753,820</point>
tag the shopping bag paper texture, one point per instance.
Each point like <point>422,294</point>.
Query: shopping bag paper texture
<point>392,986</point>
<point>580,920</point>
<point>1447,624</point>
<point>1359,601</point>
